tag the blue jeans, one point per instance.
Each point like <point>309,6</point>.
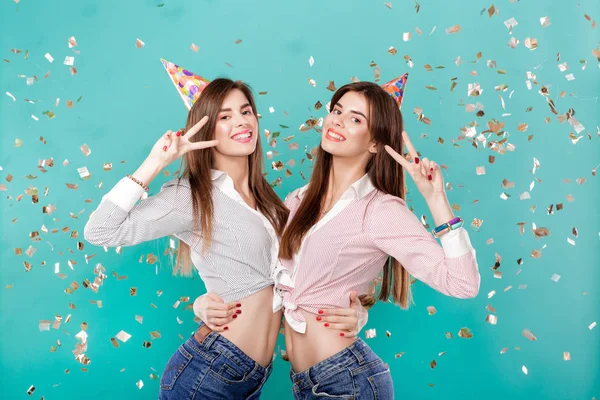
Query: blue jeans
<point>213,369</point>
<point>354,373</point>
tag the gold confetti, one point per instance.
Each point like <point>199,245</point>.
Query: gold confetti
<point>566,356</point>
<point>85,149</point>
<point>465,333</point>
<point>431,310</point>
<point>531,43</point>
<point>123,336</point>
<point>139,44</point>
<point>453,29</point>
<point>194,47</point>
<point>529,335</point>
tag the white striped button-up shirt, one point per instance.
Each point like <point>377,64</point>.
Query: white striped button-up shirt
<point>242,257</point>
<point>348,247</point>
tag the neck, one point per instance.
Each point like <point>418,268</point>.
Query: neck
<point>237,169</point>
<point>344,172</point>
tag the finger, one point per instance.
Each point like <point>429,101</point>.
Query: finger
<point>353,298</point>
<point>213,305</point>
<point>399,159</point>
<point>432,170</point>
<point>338,311</point>
<point>219,321</point>
<point>339,320</point>
<point>349,334</point>
<point>210,313</point>
<point>409,146</point>
<point>204,145</point>
<point>218,328</point>
<point>425,166</point>
<point>214,297</point>
<point>339,326</point>
<point>167,137</point>
<point>196,128</point>
<point>233,305</point>
<point>175,138</point>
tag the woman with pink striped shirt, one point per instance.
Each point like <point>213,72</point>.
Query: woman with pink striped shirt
<point>346,226</point>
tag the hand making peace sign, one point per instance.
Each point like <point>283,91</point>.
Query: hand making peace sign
<point>425,173</point>
<point>172,145</point>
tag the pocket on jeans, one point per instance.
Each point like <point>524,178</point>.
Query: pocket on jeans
<point>177,363</point>
<point>382,385</point>
<point>228,371</point>
<point>339,385</point>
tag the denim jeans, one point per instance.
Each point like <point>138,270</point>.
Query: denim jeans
<point>213,369</point>
<point>354,373</point>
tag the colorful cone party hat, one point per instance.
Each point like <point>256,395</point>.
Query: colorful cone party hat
<point>189,85</point>
<point>395,88</point>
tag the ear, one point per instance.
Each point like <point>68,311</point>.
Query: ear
<point>373,148</point>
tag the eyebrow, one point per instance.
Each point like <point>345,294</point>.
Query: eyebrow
<point>229,109</point>
<point>352,111</point>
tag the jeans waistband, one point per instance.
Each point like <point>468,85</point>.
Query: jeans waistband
<point>353,356</point>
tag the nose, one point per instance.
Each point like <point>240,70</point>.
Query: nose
<point>240,120</point>
<point>337,121</point>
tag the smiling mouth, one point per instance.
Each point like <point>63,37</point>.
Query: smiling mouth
<point>334,136</point>
<point>243,137</point>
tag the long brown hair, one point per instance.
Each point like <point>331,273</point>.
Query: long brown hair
<point>198,165</point>
<point>385,126</point>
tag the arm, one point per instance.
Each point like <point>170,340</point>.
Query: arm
<point>118,221</point>
<point>450,269</point>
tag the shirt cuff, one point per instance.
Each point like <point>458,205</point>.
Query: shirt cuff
<point>456,243</point>
<point>125,194</point>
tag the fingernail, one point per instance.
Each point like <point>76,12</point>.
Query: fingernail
<point>431,169</point>
<point>165,148</point>
<point>238,305</point>
<point>226,328</point>
<point>416,160</point>
<point>320,311</point>
<point>238,311</point>
<point>178,133</point>
<point>234,315</point>
<point>342,334</point>
<point>430,177</point>
<point>319,318</point>
<point>326,325</point>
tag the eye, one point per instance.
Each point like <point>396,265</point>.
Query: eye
<point>224,117</point>
<point>356,120</point>
<point>247,112</point>
<point>336,111</point>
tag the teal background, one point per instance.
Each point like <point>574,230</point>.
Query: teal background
<point>127,102</point>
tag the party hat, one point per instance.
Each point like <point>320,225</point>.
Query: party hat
<point>189,85</point>
<point>395,88</point>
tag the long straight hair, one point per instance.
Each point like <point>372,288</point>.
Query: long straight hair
<point>385,126</point>
<point>198,165</point>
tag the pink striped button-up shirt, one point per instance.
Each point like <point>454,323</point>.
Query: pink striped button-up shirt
<point>349,246</point>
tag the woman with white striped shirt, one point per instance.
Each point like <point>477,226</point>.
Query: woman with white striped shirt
<point>228,220</point>
<point>350,222</point>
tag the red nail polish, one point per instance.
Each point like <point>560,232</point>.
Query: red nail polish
<point>342,334</point>
<point>416,160</point>
<point>319,318</point>
<point>178,133</point>
<point>238,305</point>
<point>226,328</point>
<point>165,148</point>
<point>430,177</point>
<point>320,311</point>
<point>234,316</point>
<point>431,169</point>
<point>238,311</point>
<point>326,325</point>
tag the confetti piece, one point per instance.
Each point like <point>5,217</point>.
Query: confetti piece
<point>531,43</point>
<point>545,22</point>
<point>592,325</point>
<point>11,96</point>
<point>194,48</point>
<point>465,333</point>
<point>453,29</point>
<point>524,369</point>
<point>85,149</point>
<point>140,384</point>
<point>69,60</point>
<point>511,23</point>
<point>431,310</point>
<point>370,333</point>
<point>49,57</point>
<point>311,61</point>
<point>529,335</point>
<point>123,336</point>
<point>72,42</point>
<point>566,356</point>
<point>139,44</point>
<point>406,36</point>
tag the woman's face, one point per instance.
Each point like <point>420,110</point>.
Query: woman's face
<point>346,128</point>
<point>236,126</point>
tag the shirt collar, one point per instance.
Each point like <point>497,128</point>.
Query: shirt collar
<point>359,189</point>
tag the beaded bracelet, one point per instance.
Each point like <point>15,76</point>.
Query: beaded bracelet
<point>451,225</point>
<point>146,188</point>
